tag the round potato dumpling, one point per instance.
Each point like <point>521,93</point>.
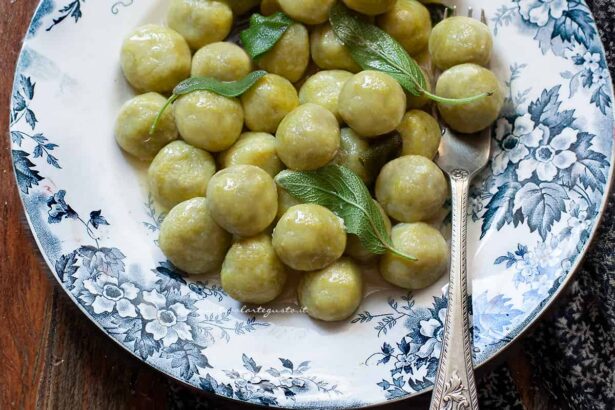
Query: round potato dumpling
<point>421,100</point>
<point>191,239</point>
<point>323,88</point>
<point>252,272</point>
<point>409,23</point>
<point>200,21</point>
<point>372,103</point>
<point>267,102</point>
<point>309,237</point>
<point>370,7</point>
<point>243,199</point>
<point>458,40</point>
<point>308,137</point>
<point>179,172</point>
<point>285,202</point>
<point>420,134</point>
<point>222,60</point>
<point>423,242</point>
<point>290,56</point>
<point>352,148</point>
<point>155,58</point>
<point>253,148</point>
<point>133,123</point>
<point>355,248</point>
<point>467,80</point>
<point>328,52</point>
<point>332,293</point>
<point>240,7</point>
<point>269,7</point>
<point>411,188</point>
<point>208,120</point>
<point>307,11</point>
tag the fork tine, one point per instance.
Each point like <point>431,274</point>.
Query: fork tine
<point>450,11</point>
<point>483,17</point>
<point>470,11</point>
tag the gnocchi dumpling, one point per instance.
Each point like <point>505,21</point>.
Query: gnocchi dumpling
<point>332,293</point>
<point>200,22</point>
<point>411,188</point>
<point>427,245</point>
<point>372,103</point>
<point>208,120</point>
<point>133,123</point>
<point>323,88</point>
<point>328,52</point>
<point>180,172</point>
<point>253,148</point>
<point>351,153</point>
<point>191,239</point>
<point>308,137</point>
<point>290,56</point>
<point>267,102</point>
<point>221,60</point>
<point>240,7</point>
<point>408,22</point>
<point>285,202</point>
<point>155,58</point>
<point>466,80</point>
<point>252,272</point>
<point>420,134</point>
<point>309,237</point>
<point>458,40</point>
<point>243,199</point>
<point>370,7</point>
<point>307,11</point>
<point>269,7</point>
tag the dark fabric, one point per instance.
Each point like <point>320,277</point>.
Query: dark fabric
<point>572,350</point>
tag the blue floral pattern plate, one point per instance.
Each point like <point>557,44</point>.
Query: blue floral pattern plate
<point>533,212</point>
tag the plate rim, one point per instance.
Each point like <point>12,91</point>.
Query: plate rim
<point>538,313</point>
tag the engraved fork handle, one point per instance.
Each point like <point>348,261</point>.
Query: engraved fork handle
<point>455,387</point>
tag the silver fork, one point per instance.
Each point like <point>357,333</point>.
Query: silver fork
<point>461,157</point>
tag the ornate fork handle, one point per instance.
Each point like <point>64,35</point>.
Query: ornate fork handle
<point>455,387</point>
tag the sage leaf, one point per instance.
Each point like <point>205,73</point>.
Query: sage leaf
<point>224,88</point>
<point>374,49</point>
<point>381,152</point>
<point>264,33</point>
<point>344,193</point>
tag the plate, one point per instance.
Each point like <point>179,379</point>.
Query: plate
<point>533,212</point>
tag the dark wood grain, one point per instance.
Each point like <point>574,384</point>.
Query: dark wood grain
<point>51,356</point>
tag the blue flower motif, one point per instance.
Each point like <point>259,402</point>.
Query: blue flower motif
<point>513,142</point>
<point>600,75</point>
<point>110,295</point>
<point>433,330</point>
<point>549,157</point>
<point>165,321</point>
<point>58,208</point>
<point>540,11</point>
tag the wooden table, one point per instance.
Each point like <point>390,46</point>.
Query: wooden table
<point>51,355</point>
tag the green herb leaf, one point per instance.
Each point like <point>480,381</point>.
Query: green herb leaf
<point>344,193</point>
<point>264,33</point>
<point>381,152</point>
<point>224,88</point>
<point>373,49</point>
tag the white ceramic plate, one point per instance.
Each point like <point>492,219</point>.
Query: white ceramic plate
<point>533,212</point>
